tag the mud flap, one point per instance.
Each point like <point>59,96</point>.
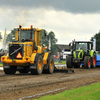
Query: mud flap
<point>6,66</point>
<point>32,66</point>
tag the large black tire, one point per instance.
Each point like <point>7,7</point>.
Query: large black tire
<point>24,70</point>
<point>76,65</point>
<point>69,63</point>
<point>94,61</point>
<point>10,70</point>
<point>39,66</point>
<point>50,65</point>
<point>87,62</point>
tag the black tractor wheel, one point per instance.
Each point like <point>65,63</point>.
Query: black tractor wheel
<point>76,65</point>
<point>50,65</point>
<point>24,70</point>
<point>87,62</point>
<point>10,70</point>
<point>39,66</point>
<point>69,63</point>
<point>94,61</point>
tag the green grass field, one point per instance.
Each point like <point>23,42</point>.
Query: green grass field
<point>0,64</point>
<point>62,62</point>
<point>91,92</point>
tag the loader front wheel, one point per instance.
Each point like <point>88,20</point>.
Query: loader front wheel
<point>39,66</point>
<point>49,66</point>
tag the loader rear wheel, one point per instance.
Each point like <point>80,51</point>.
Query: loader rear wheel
<point>50,65</point>
<point>87,62</point>
<point>11,70</point>
<point>69,62</point>
<point>94,61</point>
<point>39,66</point>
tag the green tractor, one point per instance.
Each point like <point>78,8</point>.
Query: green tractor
<point>81,53</point>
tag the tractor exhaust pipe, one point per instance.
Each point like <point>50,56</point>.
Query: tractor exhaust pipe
<point>94,44</point>
<point>49,43</point>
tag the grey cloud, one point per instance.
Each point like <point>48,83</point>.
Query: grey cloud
<point>74,6</point>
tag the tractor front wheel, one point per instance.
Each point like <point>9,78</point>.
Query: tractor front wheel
<point>87,62</point>
<point>69,62</point>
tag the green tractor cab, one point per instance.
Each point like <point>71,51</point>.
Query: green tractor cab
<point>81,52</point>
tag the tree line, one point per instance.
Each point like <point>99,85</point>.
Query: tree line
<point>51,34</point>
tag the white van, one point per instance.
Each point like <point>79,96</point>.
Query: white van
<point>64,53</point>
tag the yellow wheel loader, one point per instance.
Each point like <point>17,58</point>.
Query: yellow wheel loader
<point>27,53</point>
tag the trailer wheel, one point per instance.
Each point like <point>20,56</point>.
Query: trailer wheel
<point>87,62</point>
<point>24,70</point>
<point>69,62</point>
<point>50,66</point>
<point>94,61</point>
<point>39,66</point>
<point>10,70</point>
<point>76,65</point>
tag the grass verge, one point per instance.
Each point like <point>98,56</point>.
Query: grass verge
<point>62,62</point>
<point>91,92</point>
<point>1,64</point>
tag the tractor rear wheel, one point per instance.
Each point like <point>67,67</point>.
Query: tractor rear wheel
<point>76,65</point>
<point>50,65</point>
<point>69,62</point>
<point>94,61</point>
<point>38,65</point>
<point>87,62</point>
<point>10,70</point>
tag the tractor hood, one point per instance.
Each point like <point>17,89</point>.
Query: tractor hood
<point>78,54</point>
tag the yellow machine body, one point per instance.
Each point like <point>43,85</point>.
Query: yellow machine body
<point>29,53</point>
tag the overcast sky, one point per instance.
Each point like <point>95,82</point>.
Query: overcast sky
<point>68,19</point>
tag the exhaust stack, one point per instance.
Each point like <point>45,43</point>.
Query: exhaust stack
<point>20,33</point>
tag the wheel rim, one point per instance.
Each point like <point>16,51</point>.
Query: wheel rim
<point>40,64</point>
<point>51,64</point>
<point>89,63</point>
<point>94,61</point>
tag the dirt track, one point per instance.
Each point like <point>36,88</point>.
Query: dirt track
<point>20,85</point>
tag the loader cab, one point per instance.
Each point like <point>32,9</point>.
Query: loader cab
<point>29,35</point>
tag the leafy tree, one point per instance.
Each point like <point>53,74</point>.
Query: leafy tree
<point>11,36</point>
<point>53,41</point>
<point>0,36</point>
<point>97,37</point>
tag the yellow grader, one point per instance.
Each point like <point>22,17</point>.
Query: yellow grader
<point>27,53</point>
